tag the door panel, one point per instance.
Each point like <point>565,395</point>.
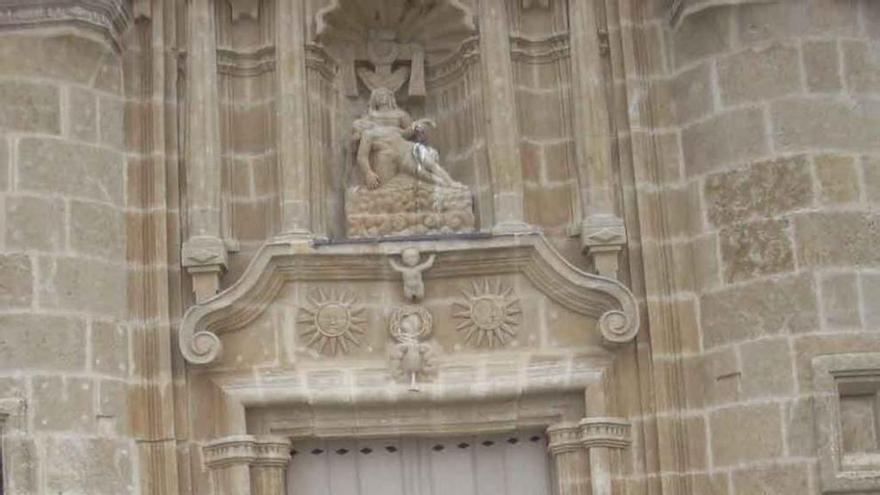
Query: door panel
<point>510,464</point>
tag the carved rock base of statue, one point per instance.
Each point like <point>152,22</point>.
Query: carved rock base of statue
<point>405,206</point>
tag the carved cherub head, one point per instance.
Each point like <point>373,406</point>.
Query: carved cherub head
<point>410,256</point>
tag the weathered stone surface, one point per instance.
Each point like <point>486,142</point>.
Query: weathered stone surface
<point>804,124</point>
<point>857,420</point>
<point>21,461</point>
<point>30,107</point>
<point>862,66</point>
<point>82,114</point>
<point>701,35</point>
<point>97,230</point>
<point>63,404</point>
<point>798,419</point>
<point>45,342</point>
<point>756,249</point>
<point>112,118</point>
<point>78,284</point>
<point>725,139</point>
<point>822,65</point>
<point>752,432</point>
<point>97,466</point>
<point>767,368</point>
<point>36,223</point>
<point>64,57</point>
<point>759,308</point>
<point>870,295</point>
<point>56,166</point>
<point>109,342</point>
<point>838,238</point>
<point>773,480</point>
<point>871,174</point>
<point>16,281</point>
<point>693,93</point>
<point>759,73</point>
<point>838,178</point>
<point>764,189</point>
<point>840,301</point>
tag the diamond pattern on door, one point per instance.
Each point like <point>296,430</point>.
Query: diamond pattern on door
<point>509,464</point>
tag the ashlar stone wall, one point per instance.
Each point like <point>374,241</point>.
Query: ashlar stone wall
<point>779,132</point>
<point>63,339</point>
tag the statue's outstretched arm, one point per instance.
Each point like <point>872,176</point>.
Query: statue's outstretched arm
<point>396,265</point>
<point>427,264</point>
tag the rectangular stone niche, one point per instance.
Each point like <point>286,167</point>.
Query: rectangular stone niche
<point>847,415</point>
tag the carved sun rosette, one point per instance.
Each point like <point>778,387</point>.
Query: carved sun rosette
<point>332,320</point>
<point>489,314</point>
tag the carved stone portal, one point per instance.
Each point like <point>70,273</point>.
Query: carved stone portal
<point>403,188</point>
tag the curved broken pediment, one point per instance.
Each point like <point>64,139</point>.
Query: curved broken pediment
<point>466,279</point>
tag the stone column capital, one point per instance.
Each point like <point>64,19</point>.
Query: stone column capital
<point>611,433</point>
<point>564,437</point>
<point>247,450</point>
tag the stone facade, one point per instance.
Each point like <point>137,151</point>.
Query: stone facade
<point>664,253</point>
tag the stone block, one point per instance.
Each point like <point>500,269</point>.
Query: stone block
<point>732,137</point>
<point>61,167</point>
<point>112,414</point>
<point>706,263</point>
<point>253,128</point>
<point>4,163</point>
<point>759,74</point>
<point>838,178</point>
<point>94,466</point>
<point>21,464</point>
<point>82,114</point>
<point>755,249</point>
<point>702,35</point>
<point>772,480</point>
<point>63,404</point>
<point>764,189</point>
<point>97,230</point>
<point>757,309</point>
<point>861,66</point>
<point>870,295</point>
<point>78,284</point>
<point>109,75</point>
<point>840,301</point>
<point>548,206</point>
<point>30,107</point>
<point>763,21</point>
<point>109,341</point>
<point>807,124</point>
<point>67,57</point>
<point>725,373</point>
<point>857,417</point>
<point>30,341</point>
<point>745,434</point>
<point>16,281</point>
<point>767,368</point>
<point>822,66</point>
<point>871,176</point>
<point>800,436</point>
<point>558,159</point>
<point>35,223</point>
<point>842,239</point>
<point>112,122</point>
<point>693,93</point>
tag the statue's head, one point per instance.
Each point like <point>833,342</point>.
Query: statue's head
<point>410,256</point>
<point>382,99</point>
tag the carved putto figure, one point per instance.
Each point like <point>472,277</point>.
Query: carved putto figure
<point>411,271</point>
<point>403,188</point>
<point>413,355</point>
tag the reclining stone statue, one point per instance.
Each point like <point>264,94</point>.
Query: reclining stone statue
<point>403,188</point>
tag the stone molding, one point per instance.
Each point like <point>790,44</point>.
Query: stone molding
<point>531,255</point>
<point>833,375</point>
<point>564,437</point>
<point>613,433</point>
<point>247,450</point>
<point>109,17</point>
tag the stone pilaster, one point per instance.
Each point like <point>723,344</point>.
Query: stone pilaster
<point>502,132</point>
<point>600,436</point>
<point>204,252</point>
<point>292,140</point>
<point>569,459</point>
<point>269,469</point>
<point>602,232</point>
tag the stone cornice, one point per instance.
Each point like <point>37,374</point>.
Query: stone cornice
<point>280,261</point>
<point>109,17</point>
